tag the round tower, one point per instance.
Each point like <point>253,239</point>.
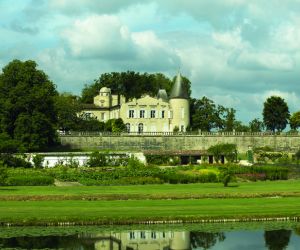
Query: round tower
<point>180,241</point>
<point>179,101</point>
<point>104,98</point>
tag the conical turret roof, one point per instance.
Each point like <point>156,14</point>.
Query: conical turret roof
<point>178,89</point>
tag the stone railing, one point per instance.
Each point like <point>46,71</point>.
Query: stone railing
<point>197,133</point>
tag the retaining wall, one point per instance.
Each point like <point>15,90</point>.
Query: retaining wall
<point>201,141</point>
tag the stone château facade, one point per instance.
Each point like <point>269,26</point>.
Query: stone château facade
<point>162,113</point>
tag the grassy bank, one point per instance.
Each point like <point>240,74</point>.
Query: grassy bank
<point>134,204</point>
<point>135,211</point>
<point>166,191</point>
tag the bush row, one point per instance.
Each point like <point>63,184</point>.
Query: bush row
<point>30,181</point>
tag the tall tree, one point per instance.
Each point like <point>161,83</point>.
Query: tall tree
<point>276,113</point>
<point>27,110</point>
<point>229,119</point>
<point>238,126</point>
<point>204,114</point>
<point>295,120</point>
<point>256,125</point>
<point>67,108</point>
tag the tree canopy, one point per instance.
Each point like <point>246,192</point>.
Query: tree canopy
<point>295,120</point>
<point>130,84</point>
<point>275,113</point>
<point>27,112</point>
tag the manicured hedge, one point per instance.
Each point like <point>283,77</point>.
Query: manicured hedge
<point>30,181</point>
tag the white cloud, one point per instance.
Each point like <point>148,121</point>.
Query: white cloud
<point>229,40</point>
<point>99,36</point>
<point>262,61</point>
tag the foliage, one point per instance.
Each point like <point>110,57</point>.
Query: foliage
<point>263,149</point>
<point>27,112</point>
<point>265,172</point>
<point>229,121</point>
<point>238,126</point>
<point>67,108</point>
<point>115,126</point>
<point>38,161</point>
<point>97,159</point>
<point>295,120</point>
<point>15,161</point>
<point>277,239</point>
<point>3,174</point>
<point>130,84</point>
<point>30,180</point>
<point>275,113</point>
<point>297,156</point>
<point>176,129</point>
<point>205,115</point>
<point>89,124</point>
<point>8,145</point>
<point>256,125</point>
<point>280,157</point>
<point>205,240</point>
<point>226,149</point>
<point>162,160</point>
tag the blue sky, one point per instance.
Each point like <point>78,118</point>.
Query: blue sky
<point>236,52</point>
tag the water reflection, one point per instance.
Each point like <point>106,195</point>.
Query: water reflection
<point>159,240</point>
<point>277,239</point>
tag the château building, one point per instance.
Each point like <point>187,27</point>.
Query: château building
<point>162,113</point>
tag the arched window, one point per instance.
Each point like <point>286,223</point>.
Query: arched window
<point>141,128</point>
<point>127,127</point>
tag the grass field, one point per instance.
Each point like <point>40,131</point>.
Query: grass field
<point>104,205</point>
<point>291,186</point>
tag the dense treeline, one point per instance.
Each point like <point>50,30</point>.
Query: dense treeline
<point>131,84</point>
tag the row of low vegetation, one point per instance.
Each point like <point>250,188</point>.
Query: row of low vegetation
<point>137,173</point>
<point>105,169</point>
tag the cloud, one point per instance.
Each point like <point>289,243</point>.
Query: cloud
<point>99,36</point>
<point>261,60</point>
<point>75,7</point>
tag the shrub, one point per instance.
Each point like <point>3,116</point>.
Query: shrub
<point>96,160</point>
<point>15,161</point>
<point>38,161</point>
<point>3,174</point>
<point>30,181</point>
<point>208,175</point>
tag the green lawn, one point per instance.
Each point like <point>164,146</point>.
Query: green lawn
<point>149,202</point>
<point>246,188</point>
<point>35,212</point>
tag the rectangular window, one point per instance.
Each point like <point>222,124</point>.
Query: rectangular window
<point>153,235</point>
<point>132,235</point>
<point>142,113</point>
<point>131,113</point>
<point>143,235</point>
<point>162,114</point>
<point>152,114</point>
<point>102,116</point>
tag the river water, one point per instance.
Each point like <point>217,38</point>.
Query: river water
<point>245,236</point>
